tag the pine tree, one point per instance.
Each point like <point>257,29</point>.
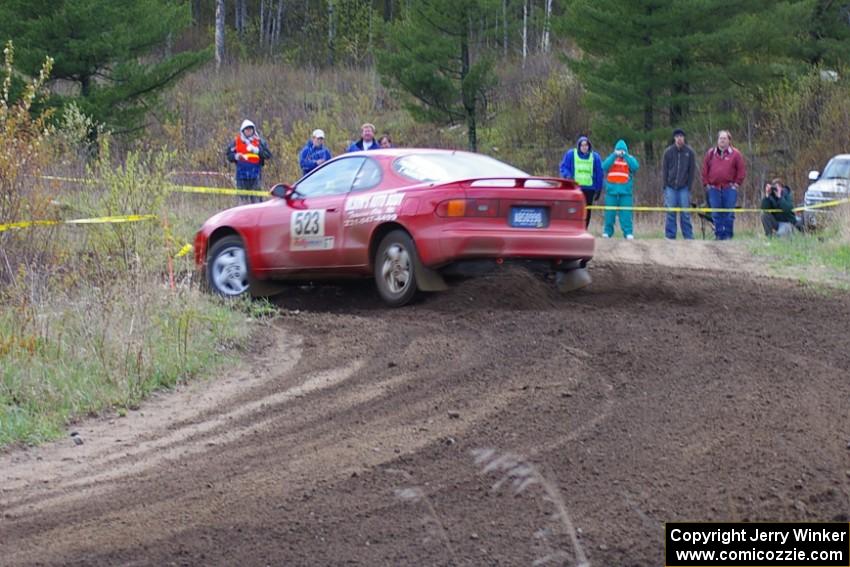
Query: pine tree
<point>652,64</point>
<point>434,60</point>
<point>826,33</point>
<point>106,47</point>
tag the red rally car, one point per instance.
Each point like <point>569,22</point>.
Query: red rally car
<point>410,218</point>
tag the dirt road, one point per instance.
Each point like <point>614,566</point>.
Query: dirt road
<point>470,429</point>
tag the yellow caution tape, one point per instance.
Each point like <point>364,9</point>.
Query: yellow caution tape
<point>66,179</point>
<point>677,209</point>
<point>181,188</point>
<point>263,193</point>
<point>185,250</point>
<point>219,191</point>
<point>824,205</point>
<point>113,219</point>
<point>25,224</point>
<point>96,220</point>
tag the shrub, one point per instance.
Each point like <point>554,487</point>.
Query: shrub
<point>86,318</point>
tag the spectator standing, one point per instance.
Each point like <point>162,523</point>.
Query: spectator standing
<point>678,167</point>
<point>249,152</point>
<point>723,172</point>
<point>385,142</point>
<point>367,139</point>
<point>620,168</point>
<point>778,196</point>
<point>584,166</point>
<point>314,152</point>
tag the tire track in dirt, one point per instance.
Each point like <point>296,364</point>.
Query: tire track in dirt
<point>182,442</point>
<point>651,397</point>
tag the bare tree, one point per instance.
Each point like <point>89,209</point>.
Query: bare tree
<point>524,31</point>
<point>371,10</point>
<point>505,27</point>
<point>240,11</point>
<point>244,14</point>
<point>278,23</point>
<point>219,33</point>
<point>196,12</point>
<point>331,32</point>
<point>263,20</point>
<point>547,26</point>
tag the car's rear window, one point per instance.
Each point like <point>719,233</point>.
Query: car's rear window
<point>440,167</point>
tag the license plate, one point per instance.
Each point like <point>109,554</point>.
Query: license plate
<point>529,217</point>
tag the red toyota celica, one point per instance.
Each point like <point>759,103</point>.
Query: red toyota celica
<point>410,218</point>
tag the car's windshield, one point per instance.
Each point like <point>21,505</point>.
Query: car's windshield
<point>442,167</point>
<point>837,169</point>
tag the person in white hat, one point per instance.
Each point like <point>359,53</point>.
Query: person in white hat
<point>314,153</point>
<point>249,152</point>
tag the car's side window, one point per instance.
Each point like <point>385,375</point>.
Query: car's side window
<point>368,176</point>
<point>334,179</point>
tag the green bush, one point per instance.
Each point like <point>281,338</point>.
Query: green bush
<point>94,316</point>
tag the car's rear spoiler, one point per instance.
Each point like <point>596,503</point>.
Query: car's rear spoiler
<point>519,182</point>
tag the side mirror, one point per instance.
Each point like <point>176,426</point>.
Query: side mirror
<point>282,191</point>
<point>813,175</point>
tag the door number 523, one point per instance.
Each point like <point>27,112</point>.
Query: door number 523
<point>308,223</point>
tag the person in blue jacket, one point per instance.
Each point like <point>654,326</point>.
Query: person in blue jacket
<point>620,168</point>
<point>314,153</point>
<point>584,166</point>
<point>367,139</point>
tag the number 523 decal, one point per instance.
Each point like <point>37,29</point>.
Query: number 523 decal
<point>307,231</point>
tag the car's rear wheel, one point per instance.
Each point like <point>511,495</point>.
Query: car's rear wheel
<point>227,267</point>
<point>395,273</point>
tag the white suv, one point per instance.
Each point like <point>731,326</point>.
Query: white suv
<point>832,184</point>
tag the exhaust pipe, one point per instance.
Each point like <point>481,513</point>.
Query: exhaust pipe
<point>572,280</point>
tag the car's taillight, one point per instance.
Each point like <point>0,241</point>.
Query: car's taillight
<point>482,208</point>
<point>568,210</point>
<point>456,208</point>
<point>469,208</point>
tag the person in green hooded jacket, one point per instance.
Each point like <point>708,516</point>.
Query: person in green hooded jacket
<point>619,168</point>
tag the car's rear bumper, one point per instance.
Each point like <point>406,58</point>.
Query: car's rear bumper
<point>480,267</point>
<point>440,247</point>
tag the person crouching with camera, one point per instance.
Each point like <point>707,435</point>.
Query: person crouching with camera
<point>778,196</point>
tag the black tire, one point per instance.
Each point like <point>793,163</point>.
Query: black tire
<point>227,272</point>
<point>395,273</point>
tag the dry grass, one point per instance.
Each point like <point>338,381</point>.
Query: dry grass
<point>528,121</point>
<point>520,476</point>
<point>87,321</point>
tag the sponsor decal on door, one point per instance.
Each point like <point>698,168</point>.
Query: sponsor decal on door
<point>375,207</point>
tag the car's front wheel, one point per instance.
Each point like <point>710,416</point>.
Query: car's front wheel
<point>395,273</point>
<point>227,267</point>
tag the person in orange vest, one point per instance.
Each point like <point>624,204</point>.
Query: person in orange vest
<point>249,152</point>
<point>620,168</point>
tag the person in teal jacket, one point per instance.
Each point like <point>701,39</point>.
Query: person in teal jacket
<point>620,168</point>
